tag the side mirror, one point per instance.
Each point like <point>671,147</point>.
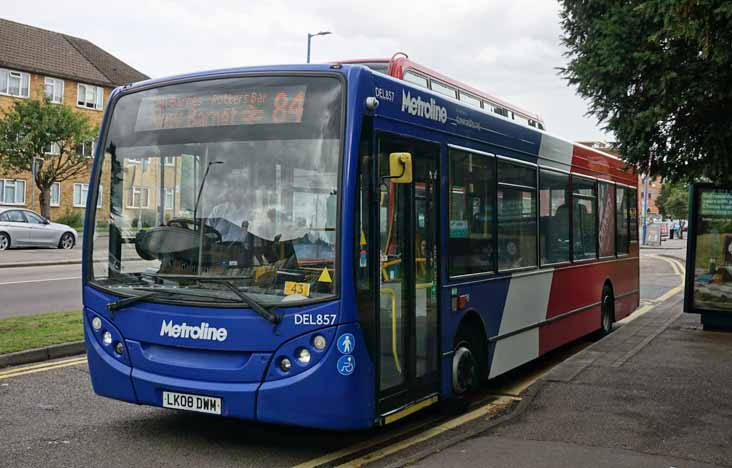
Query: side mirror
<point>400,168</point>
<point>46,221</point>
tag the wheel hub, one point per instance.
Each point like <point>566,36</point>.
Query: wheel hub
<point>463,370</point>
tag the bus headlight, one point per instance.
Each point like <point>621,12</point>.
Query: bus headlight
<point>303,356</point>
<point>285,365</point>
<point>97,323</point>
<point>119,347</point>
<point>319,342</point>
<point>107,338</point>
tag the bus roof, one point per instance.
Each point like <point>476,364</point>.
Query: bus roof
<point>400,63</point>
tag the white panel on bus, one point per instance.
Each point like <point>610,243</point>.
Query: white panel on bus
<point>526,304</point>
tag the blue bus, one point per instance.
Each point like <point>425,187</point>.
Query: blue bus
<point>328,246</point>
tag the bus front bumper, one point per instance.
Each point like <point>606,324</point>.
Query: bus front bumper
<point>316,396</point>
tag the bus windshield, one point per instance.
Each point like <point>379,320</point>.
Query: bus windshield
<point>210,184</point>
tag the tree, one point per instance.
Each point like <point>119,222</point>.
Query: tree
<point>30,129</point>
<point>673,201</point>
<point>657,74</point>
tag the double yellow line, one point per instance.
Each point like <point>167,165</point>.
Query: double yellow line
<point>17,372</point>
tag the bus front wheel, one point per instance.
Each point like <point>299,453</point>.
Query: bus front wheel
<point>464,370</point>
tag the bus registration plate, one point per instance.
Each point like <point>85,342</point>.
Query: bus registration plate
<point>184,401</point>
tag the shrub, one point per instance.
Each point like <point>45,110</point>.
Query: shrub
<point>73,218</point>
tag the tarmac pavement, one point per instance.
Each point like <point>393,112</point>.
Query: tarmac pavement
<point>40,256</point>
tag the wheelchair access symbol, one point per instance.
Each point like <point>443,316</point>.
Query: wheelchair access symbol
<point>346,343</point>
<point>346,365</point>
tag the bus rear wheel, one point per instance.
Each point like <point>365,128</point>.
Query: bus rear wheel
<point>607,316</point>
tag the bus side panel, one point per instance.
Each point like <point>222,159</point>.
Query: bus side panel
<point>579,287</point>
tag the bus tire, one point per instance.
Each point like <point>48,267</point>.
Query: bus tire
<point>607,316</point>
<point>468,368</point>
<point>464,370</point>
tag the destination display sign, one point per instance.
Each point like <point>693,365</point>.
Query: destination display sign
<point>252,106</point>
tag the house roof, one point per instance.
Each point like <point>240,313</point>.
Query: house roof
<point>46,52</point>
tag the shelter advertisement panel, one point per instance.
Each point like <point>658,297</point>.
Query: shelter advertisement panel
<point>709,260</point>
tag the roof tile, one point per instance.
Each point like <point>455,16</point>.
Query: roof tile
<point>46,52</point>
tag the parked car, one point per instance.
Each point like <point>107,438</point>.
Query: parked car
<point>24,228</point>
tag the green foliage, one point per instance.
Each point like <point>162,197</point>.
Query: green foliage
<point>673,201</point>
<point>32,125</point>
<point>73,218</point>
<point>657,74</point>
<point>37,331</point>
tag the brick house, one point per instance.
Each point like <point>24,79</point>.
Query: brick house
<point>37,63</point>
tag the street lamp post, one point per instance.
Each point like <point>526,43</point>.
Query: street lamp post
<point>310,36</point>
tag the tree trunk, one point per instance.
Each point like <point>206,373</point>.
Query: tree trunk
<point>45,199</point>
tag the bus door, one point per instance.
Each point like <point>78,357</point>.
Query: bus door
<point>408,274</point>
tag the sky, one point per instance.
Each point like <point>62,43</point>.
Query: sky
<point>510,49</point>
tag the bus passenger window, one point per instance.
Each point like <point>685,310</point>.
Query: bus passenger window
<point>621,219</point>
<point>416,79</point>
<point>584,218</point>
<point>472,213</point>
<point>553,217</point>
<point>516,216</point>
<point>443,89</point>
<point>606,212</point>
<point>631,195</point>
<point>469,99</point>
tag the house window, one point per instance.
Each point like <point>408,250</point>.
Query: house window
<point>169,161</point>
<point>90,97</point>
<point>169,198</point>
<point>14,83</point>
<point>80,192</point>
<point>53,148</point>
<point>54,89</point>
<point>12,192</point>
<point>85,149</point>
<point>138,197</point>
<point>56,194</point>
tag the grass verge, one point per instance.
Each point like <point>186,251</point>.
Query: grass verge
<point>37,331</point>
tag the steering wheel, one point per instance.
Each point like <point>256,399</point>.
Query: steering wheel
<point>190,224</point>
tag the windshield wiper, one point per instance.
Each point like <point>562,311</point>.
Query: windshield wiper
<point>121,303</point>
<point>263,311</point>
<point>248,300</point>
